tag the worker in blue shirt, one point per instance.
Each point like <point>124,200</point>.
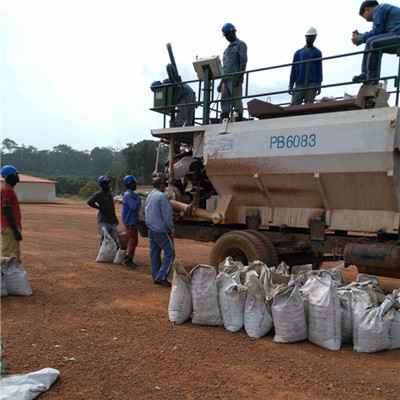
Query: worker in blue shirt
<point>161,230</point>
<point>185,95</point>
<point>385,31</point>
<point>298,78</point>
<point>234,60</point>
<point>129,213</point>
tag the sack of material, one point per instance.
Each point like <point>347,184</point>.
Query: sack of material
<point>180,300</point>
<point>3,287</point>
<point>16,279</point>
<point>232,268</point>
<point>27,386</point>
<point>257,318</point>
<point>231,296</point>
<point>344,294</point>
<point>324,319</point>
<point>108,249</point>
<point>372,329</point>
<point>119,257</point>
<point>288,315</point>
<point>205,296</point>
<point>394,326</point>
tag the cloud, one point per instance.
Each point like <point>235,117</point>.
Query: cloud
<point>78,72</point>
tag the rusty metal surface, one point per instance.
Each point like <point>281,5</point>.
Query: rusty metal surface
<point>379,255</point>
<point>263,110</point>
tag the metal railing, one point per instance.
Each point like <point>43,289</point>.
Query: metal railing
<point>213,102</point>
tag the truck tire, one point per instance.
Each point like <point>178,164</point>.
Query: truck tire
<point>270,256</point>
<point>244,246</point>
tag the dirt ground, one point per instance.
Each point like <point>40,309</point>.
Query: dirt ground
<point>105,327</point>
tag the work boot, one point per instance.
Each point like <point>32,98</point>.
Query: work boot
<point>239,117</point>
<point>224,115</point>
<point>128,261</point>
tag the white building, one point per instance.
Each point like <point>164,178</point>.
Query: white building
<point>31,189</point>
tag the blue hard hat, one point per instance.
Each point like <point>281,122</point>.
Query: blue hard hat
<point>228,27</point>
<point>155,83</point>
<point>102,179</point>
<point>8,170</point>
<point>129,179</point>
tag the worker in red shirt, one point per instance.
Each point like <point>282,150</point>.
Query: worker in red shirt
<point>11,227</point>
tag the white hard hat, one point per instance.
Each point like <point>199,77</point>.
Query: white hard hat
<point>311,31</point>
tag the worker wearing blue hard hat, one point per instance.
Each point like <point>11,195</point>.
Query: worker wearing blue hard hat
<point>11,226</point>
<point>234,60</point>
<point>228,27</point>
<point>130,215</point>
<point>104,202</point>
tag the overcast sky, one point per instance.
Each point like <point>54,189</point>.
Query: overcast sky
<point>78,72</point>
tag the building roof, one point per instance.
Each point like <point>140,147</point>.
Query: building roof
<point>32,179</point>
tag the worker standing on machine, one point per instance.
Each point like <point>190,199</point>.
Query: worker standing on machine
<point>234,60</point>
<point>298,75</point>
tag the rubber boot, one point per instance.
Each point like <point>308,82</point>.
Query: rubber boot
<point>128,261</point>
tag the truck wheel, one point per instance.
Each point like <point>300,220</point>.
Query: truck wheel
<point>269,256</point>
<point>243,246</point>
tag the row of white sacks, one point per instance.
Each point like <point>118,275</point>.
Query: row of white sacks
<point>14,279</point>
<point>307,304</point>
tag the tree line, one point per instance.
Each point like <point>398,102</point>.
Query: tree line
<point>74,169</point>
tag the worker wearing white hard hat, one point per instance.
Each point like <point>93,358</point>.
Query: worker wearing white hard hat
<point>306,77</point>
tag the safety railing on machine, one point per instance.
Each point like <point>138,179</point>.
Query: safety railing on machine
<point>208,98</point>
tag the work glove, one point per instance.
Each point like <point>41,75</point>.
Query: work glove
<point>290,89</point>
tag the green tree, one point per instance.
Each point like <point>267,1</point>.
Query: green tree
<point>9,145</point>
<point>88,189</point>
<point>140,160</point>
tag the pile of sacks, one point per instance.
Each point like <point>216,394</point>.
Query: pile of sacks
<point>14,280</point>
<point>303,304</point>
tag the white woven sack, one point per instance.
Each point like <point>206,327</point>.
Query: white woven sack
<point>344,294</point>
<point>373,329</point>
<point>288,315</point>
<point>180,300</point>
<point>324,319</point>
<point>15,276</point>
<point>108,249</point>
<point>205,296</point>
<point>394,327</point>
<point>257,318</point>
<point>3,288</point>
<point>120,256</point>
<point>231,296</point>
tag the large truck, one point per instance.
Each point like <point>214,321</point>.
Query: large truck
<point>301,184</point>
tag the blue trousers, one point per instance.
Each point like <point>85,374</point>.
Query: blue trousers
<point>185,115</point>
<point>161,241</point>
<point>371,60</point>
<point>112,229</point>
